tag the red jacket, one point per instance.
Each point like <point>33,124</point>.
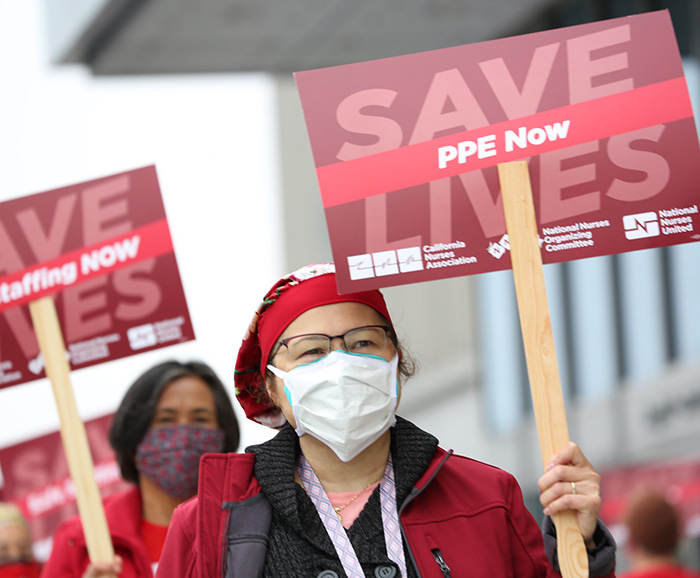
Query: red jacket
<point>69,556</point>
<point>473,513</point>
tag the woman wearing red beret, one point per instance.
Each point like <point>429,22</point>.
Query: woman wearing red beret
<point>347,488</point>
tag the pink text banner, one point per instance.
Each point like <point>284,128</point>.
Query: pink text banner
<point>103,248</point>
<point>406,150</point>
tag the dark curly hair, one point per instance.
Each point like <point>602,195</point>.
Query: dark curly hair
<point>137,408</point>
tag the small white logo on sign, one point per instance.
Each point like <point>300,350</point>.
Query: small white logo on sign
<point>360,267</point>
<point>499,249</point>
<point>641,225</point>
<point>385,263</point>
<point>142,336</point>
<point>36,365</point>
<point>410,259</point>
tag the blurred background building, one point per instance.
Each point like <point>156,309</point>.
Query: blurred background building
<point>627,327</point>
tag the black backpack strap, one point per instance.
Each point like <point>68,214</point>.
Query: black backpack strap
<point>248,527</point>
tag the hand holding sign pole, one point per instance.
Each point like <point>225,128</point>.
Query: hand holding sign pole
<point>545,384</point>
<point>80,465</point>
<point>406,167</point>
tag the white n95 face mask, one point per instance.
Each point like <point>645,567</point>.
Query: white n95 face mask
<point>346,400</point>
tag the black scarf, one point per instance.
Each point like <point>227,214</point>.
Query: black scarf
<point>299,545</point>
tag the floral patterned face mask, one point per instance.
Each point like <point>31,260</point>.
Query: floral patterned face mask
<point>169,456</point>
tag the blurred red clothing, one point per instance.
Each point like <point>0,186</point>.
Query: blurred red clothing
<point>69,555</point>
<point>662,572</point>
<point>20,570</point>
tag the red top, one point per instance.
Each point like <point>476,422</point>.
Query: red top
<point>154,538</point>
<point>353,505</point>
<point>69,556</point>
<point>20,570</point>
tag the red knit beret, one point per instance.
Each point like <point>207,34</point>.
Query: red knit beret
<point>306,288</point>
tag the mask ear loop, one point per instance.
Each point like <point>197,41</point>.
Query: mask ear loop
<point>277,371</point>
<point>395,367</point>
<point>283,376</point>
<point>274,417</point>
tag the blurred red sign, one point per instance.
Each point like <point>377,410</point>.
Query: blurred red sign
<point>406,150</point>
<point>104,248</point>
<point>36,477</point>
<point>680,481</point>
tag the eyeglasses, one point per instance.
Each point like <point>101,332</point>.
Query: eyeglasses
<point>309,347</point>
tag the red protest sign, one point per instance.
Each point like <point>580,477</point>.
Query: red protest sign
<point>406,150</point>
<point>104,248</point>
<point>35,475</point>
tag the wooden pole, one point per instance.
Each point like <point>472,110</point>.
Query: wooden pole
<point>80,464</point>
<point>545,384</point>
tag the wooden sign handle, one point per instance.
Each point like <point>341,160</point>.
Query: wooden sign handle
<point>75,444</point>
<point>545,384</point>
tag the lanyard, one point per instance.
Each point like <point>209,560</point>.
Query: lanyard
<point>343,547</point>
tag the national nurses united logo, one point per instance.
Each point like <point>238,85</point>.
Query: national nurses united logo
<point>385,263</point>
<point>641,225</point>
<point>671,221</point>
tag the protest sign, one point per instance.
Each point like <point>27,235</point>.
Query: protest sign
<point>406,150</point>
<point>35,475</point>
<point>106,247</point>
<point>589,126</point>
<point>75,236</point>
